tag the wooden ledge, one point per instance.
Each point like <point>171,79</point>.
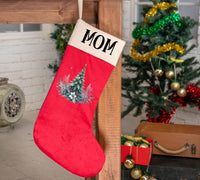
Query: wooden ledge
<point>46,11</point>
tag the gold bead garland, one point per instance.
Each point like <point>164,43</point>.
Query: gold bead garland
<point>155,52</point>
<point>154,9</point>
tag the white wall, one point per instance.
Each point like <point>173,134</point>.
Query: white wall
<point>24,58</point>
<point>182,116</point>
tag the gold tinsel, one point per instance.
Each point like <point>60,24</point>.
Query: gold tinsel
<point>176,60</point>
<point>154,9</point>
<point>155,52</point>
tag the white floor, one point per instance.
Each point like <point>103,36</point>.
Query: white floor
<point>20,159</point>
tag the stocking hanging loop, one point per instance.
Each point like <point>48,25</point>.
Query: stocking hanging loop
<point>80,8</point>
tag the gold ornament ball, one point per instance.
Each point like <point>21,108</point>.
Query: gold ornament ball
<point>152,178</point>
<point>136,173</point>
<point>182,92</point>
<point>129,163</point>
<point>158,72</point>
<point>144,177</point>
<point>128,143</point>
<point>175,86</point>
<point>165,97</point>
<point>144,145</point>
<point>169,74</point>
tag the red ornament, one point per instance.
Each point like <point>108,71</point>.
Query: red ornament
<point>179,100</point>
<point>164,117</point>
<point>193,93</point>
<point>155,90</point>
<point>198,104</point>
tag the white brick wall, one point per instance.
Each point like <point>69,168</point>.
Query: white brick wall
<point>182,116</point>
<point>24,58</point>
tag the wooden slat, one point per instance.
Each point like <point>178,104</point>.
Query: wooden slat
<point>45,11</point>
<point>109,107</point>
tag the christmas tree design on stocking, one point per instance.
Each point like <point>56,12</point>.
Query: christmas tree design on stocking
<point>74,91</point>
<point>63,129</point>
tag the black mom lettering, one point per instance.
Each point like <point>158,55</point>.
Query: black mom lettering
<point>99,41</point>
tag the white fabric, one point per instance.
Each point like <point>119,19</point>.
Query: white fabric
<point>80,8</point>
<point>96,42</point>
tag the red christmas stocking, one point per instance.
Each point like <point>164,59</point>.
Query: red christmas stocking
<point>63,129</point>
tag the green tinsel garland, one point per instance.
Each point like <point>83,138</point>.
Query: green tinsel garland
<point>173,18</point>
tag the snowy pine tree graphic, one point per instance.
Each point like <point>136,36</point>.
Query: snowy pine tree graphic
<point>74,91</point>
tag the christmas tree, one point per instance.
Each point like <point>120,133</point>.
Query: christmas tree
<point>161,76</point>
<point>74,90</point>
